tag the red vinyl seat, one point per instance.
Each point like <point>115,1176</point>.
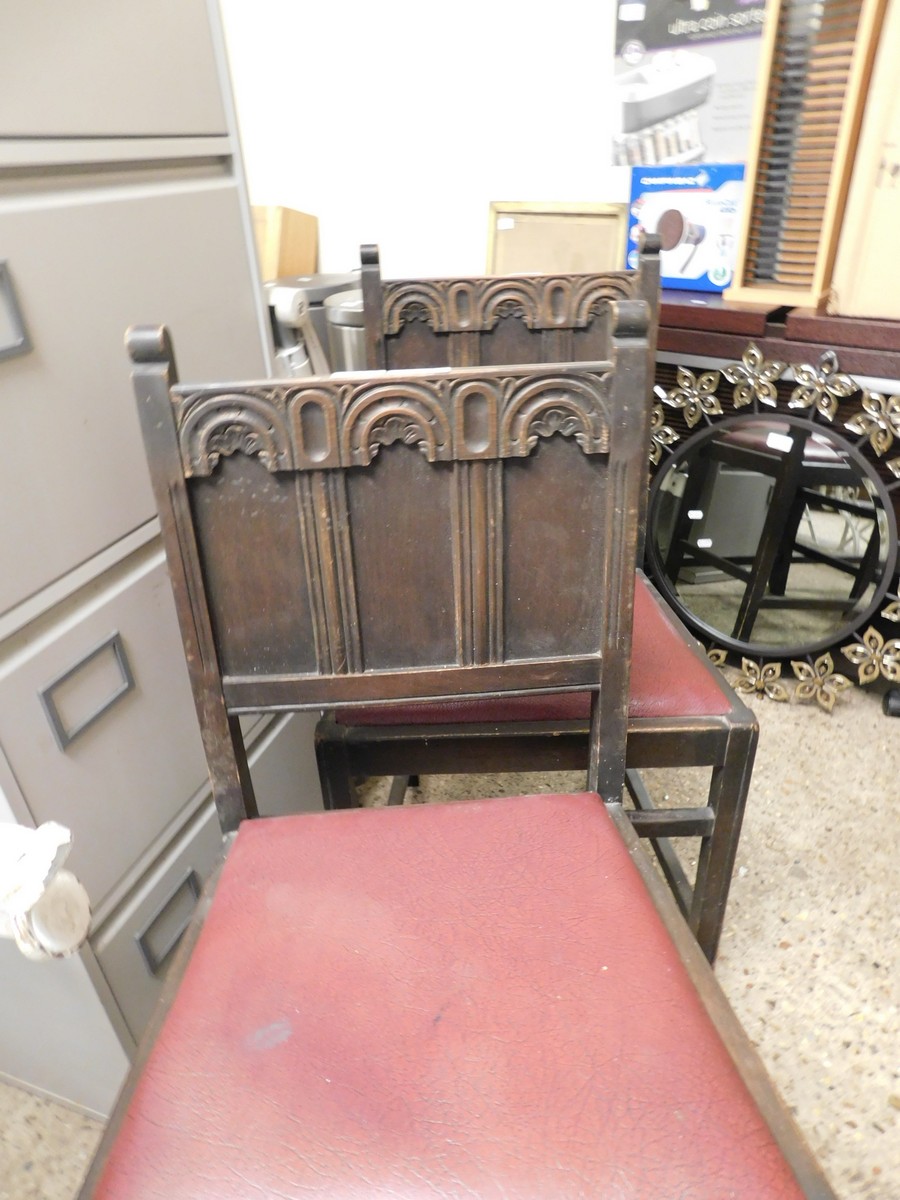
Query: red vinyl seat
<point>528,1047</point>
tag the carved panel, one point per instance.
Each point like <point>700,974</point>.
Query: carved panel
<point>478,562</point>
<point>314,428</point>
<point>383,413</point>
<point>476,410</point>
<point>473,415</point>
<point>310,517</point>
<point>467,305</point>
<point>328,562</point>
<point>211,425</point>
<point>573,407</point>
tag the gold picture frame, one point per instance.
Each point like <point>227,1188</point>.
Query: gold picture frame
<point>556,237</point>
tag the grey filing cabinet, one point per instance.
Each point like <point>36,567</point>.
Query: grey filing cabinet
<point>122,200</point>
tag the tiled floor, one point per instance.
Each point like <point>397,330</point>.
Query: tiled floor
<point>44,1148</point>
<point>809,956</point>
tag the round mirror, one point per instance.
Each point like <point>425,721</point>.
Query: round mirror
<point>771,535</point>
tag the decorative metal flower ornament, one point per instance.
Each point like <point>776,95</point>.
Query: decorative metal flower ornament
<point>660,434</point>
<point>754,378</point>
<point>874,656</point>
<point>695,396</point>
<point>821,387</point>
<point>819,681</point>
<point>762,678</point>
<point>879,421</point>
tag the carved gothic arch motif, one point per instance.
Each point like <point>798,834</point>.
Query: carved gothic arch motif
<point>213,426</point>
<point>570,405</point>
<point>379,415</point>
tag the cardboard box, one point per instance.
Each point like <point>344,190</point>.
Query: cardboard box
<point>864,281</point>
<point>695,210</point>
<point>287,241</point>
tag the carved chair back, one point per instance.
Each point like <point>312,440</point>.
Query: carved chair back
<point>404,536</point>
<point>495,320</point>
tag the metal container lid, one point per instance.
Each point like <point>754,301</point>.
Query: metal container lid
<point>316,287</point>
<point>345,308</point>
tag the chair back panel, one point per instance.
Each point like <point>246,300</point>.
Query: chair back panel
<point>409,535</point>
<point>491,321</point>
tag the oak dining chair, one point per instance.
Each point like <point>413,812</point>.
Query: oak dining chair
<point>682,713</point>
<point>485,998</point>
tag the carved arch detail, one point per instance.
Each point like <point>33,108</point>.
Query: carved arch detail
<point>418,301</point>
<point>476,305</point>
<point>597,291</point>
<point>510,297</point>
<point>570,405</point>
<point>381,414</point>
<point>225,424</point>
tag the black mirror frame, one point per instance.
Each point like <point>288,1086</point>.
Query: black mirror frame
<point>868,422</point>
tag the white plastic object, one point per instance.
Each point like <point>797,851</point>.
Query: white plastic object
<point>45,909</point>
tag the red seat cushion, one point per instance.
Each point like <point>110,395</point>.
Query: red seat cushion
<point>472,999</point>
<point>667,680</point>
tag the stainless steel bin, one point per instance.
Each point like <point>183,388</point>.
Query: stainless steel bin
<point>346,331</point>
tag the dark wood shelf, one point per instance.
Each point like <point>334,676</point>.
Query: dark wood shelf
<point>704,324</point>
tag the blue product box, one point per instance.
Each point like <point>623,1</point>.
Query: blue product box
<point>696,210</point>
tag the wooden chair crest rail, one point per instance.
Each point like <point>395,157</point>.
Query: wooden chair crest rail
<point>682,713</point>
<point>427,999</point>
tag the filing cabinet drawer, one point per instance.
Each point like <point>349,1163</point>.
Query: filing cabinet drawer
<point>105,68</point>
<point>82,272</point>
<point>136,944</point>
<point>97,721</point>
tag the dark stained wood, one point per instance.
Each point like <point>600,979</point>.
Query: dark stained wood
<point>493,320</point>
<point>256,693</point>
<point>274,618</point>
<point>527,319</point>
<point>697,311</point>
<point>190,434</point>
<point>700,325</point>
<point>356,538</point>
<point>806,325</point>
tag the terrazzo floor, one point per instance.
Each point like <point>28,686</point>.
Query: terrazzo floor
<point>809,956</point>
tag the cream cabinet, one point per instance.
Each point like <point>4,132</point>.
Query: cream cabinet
<point>92,245</point>
<point>122,201</point>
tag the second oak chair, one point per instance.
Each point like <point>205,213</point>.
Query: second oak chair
<point>681,712</point>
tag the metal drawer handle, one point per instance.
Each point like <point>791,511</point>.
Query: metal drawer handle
<point>13,335</point>
<point>65,736</point>
<point>155,957</point>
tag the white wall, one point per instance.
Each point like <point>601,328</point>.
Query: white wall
<point>398,121</point>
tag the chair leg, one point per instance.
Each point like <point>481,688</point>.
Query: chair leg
<point>399,786</point>
<point>727,796</point>
<point>334,775</point>
<point>662,846</point>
